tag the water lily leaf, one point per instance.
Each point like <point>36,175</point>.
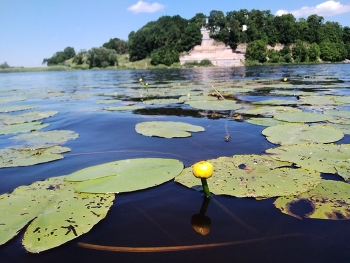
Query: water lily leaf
<point>162,101</point>
<point>27,156</point>
<point>125,108</point>
<point>267,110</point>
<point>167,129</point>
<point>126,175</point>
<point>107,101</point>
<point>28,117</point>
<point>197,98</point>
<point>17,108</point>
<point>345,128</point>
<point>338,113</point>
<point>302,117</point>
<point>329,200</point>
<point>325,158</point>
<point>59,214</point>
<point>11,99</point>
<point>48,138</point>
<point>293,133</point>
<point>265,121</point>
<point>276,102</point>
<point>215,105</point>
<point>253,176</point>
<point>342,99</point>
<point>22,127</point>
<point>320,100</point>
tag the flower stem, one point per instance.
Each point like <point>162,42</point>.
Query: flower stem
<point>205,187</point>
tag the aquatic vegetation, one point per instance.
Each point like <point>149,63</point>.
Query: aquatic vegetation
<point>22,127</point>
<point>293,133</point>
<point>27,117</point>
<point>217,105</point>
<point>325,158</point>
<point>267,110</point>
<point>11,108</point>
<point>167,129</point>
<point>302,117</point>
<point>125,175</point>
<point>329,200</point>
<point>257,176</point>
<point>55,212</point>
<point>203,170</point>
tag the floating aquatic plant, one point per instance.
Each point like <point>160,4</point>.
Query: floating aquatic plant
<point>56,213</point>
<point>22,127</point>
<point>167,129</point>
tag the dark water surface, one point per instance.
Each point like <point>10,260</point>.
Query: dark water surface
<point>242,230</point>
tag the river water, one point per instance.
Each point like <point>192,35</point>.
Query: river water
<point>242,230</point>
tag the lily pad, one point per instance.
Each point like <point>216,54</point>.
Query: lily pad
<point>325,158</point>
<point>125,108</point>
<point>11,99</point>
<point>162,101</point>
<point>126,175</point>
<point>268,110</point>
<point>302,117</point>
<point>28,117</point>
<point>167,129</point>
<point>293,133</point>
<point>28,156</point>
<point>17,108</point>
<point>215,105</point>
<point>48,138</point>
<point>57,213</point>
<point>329,200</point>
<point>22,127</point>
<point>253,176</point>
<point>276,102</point>
<point>265,121</point>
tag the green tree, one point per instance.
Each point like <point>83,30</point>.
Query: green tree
<point>314,23</point>
<point>256,50</point>
<point>314,52</point>
<point>299,51</point>
<point>164,56</point>
<point>333,51</point>
<point>101,57</point>
<point>60,57</point>
<point>4,65</point>
<point>286,28</point>
<point>117,44</point>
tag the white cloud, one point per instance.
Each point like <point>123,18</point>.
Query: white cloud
<point>328,8</point>
<point>144,7</point>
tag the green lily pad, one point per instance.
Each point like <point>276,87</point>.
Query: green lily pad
<point>57,213</point>
<point>11,99</point>
<point>325,158</point>
<point>320,100</point>
<point>293,133</point>
<point>302,117</point>
<point>265,121</point>
<point>268,110</point>
<point>197,98</point>
<point>107,101</point>
<point>162,101</point>
<point>167,129</point>
<point>329,200</point>
<point>253,176</point>
<point>342,99</point>
<point>28,117</point>
<point>345,128</point>
<point>126,175</point>
<point>17,108</point>
<point>216,105</point>
<point>48,138</point>
<point>276,102</point>
<point>125,108</point>
<point>27,156</point>
<point>22,127</point>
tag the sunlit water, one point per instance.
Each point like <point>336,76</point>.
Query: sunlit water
<point>242,230</point>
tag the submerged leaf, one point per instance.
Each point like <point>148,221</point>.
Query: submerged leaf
<point>60,214</point>
<point>126,175</point>
<point>253,176</point>
<point>293,133</point>
<point>167,129</point>
<point>329,200</point>
<point>325,158</point>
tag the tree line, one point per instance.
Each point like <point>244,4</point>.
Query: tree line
<point>304,40</point>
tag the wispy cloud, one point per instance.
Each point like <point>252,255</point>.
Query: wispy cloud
<point>328,8</point>
<point>144,7</point>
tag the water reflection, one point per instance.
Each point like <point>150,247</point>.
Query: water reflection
<point>200,222</point>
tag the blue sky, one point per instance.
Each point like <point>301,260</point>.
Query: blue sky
<point>31,30</point>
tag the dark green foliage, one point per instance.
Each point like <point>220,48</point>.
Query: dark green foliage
<point>4,65</point>
<point>117,44</point>
<point>286,29</point>
<point>171,34</point>
<point>333,51</point>
<point>274,56</point>
<point>314,52</point>
<point>79,58</point>
<point>164,56</point>
<point>60,57</point>
<point>202,63</point>
<point>314,23</point>
<point>257,50</point>
<point>101,57</point>
<point>299,52</point>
